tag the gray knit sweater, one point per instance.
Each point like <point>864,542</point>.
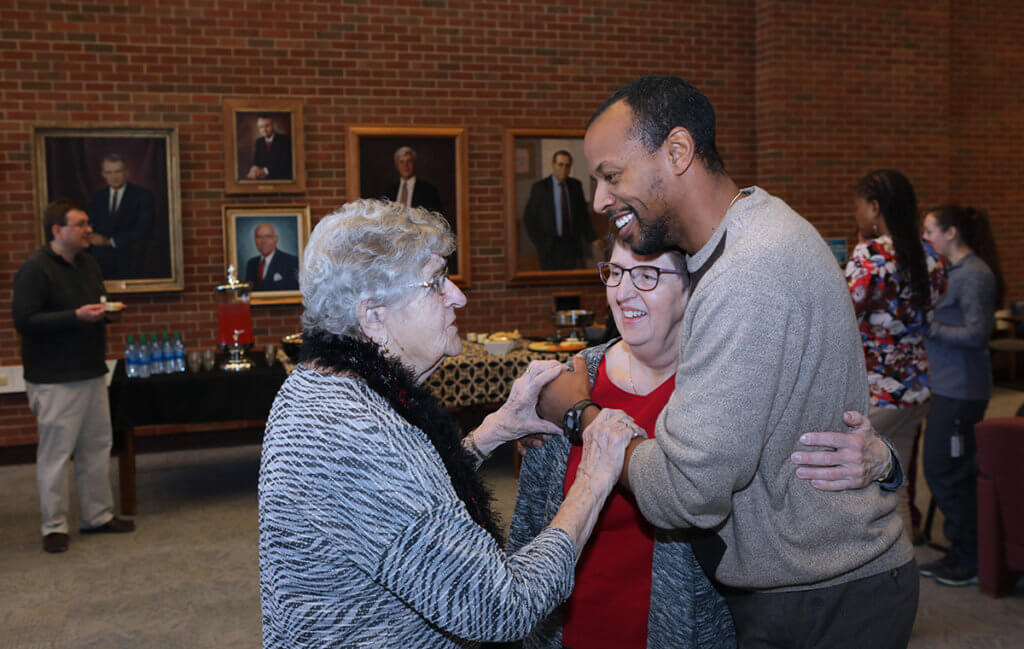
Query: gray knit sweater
<point>770,350</point>
<point>686,612</point>
<point>364,543</point>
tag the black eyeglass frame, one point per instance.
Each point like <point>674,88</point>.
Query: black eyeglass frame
<point>602,265</point>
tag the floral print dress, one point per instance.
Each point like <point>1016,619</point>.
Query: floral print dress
<point>892,328</point>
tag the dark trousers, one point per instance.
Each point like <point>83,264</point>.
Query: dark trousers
<point>875,612</point>
<point>953,481</point>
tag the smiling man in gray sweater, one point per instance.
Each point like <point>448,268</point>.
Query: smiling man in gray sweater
<point>770,350</point>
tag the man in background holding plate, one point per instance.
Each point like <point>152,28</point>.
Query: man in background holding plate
<point>58,310</point>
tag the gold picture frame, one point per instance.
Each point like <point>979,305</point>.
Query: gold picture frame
<point>259,163</point>
<point>138,230</point>
<point>246,228</point>
<point>528,158</point>
<point>440,151</point>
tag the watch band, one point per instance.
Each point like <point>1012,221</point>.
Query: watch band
<point>573,420</point>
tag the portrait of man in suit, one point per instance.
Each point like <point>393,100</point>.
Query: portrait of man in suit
<point>410,190</point>
<point>271,152</point>
<point>418,169</point>
<point>272,269</point>
<point>121,215</point>
<point>557,218</point>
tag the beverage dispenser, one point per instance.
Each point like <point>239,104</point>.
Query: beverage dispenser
<point>235,322</point>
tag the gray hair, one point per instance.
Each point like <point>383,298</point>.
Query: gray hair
<point>367,250</point>
<point>402,150</point>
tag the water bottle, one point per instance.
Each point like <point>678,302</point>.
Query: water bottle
<point>142,357</point>
<point>156,355</point>
<point>179,352</point>
<point>167,354</point>
<point>131,367</point>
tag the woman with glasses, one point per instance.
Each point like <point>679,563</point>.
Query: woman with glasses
<point>374,529</point>
<point>635,586</point>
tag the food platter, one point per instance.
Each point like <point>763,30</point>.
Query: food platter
<point>554,348</point>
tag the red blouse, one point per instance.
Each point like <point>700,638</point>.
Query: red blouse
<point>609,604</point>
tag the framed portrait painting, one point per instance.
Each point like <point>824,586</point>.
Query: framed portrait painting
<point>127,180</point>
<point>264,150</point>
<point>419,166</point>
<point>265,244</point>
<point>553,234</point>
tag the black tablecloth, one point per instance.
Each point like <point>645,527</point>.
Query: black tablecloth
<point>192,397</point>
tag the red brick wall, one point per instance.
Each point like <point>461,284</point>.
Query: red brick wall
<point>844,88</point>
<point>809,95</point>
<point>987,123</point>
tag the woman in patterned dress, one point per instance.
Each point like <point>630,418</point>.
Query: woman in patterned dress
<point>374,529</point>
<point>895,280</point>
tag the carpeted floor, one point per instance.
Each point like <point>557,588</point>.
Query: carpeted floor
<point>188,576</point>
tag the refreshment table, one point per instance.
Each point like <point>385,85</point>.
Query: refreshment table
<point>190,397</point>
<point>474,378</point>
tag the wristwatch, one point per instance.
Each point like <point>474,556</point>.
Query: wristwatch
<point>572,421</point>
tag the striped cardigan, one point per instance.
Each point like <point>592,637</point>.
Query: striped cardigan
<point>364,543</point>
<point>686,612</point>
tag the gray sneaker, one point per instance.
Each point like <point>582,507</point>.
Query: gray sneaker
<point>929,569</point>
<point>956,575</point>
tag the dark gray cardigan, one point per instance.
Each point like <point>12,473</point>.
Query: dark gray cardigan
<point>685,612</point>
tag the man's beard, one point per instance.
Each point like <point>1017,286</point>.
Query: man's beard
<point>653,237</point>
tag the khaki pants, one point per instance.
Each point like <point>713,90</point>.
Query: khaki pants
<point>899,425</point>
<point>74,422</point>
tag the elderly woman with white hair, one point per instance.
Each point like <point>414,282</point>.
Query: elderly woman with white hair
<point>374,529</point>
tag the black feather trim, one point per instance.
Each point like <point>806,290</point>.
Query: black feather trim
<point>415,403</point>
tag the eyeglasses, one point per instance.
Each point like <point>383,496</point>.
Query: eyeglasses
<point>644,278</point>
<point>438,284</point>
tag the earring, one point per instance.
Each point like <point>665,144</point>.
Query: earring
<point>383,345</point>
<point>874,228</point>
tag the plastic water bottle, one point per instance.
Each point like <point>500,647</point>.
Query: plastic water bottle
<point>156,356</point>
<point>142,358</point>
<point>179,353</point>
<point>167,354</point>
<point>131,367</point>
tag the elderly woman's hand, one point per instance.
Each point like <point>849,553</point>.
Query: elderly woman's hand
<point>517,417</point>
<point>858,459</point>
<point>604,450</point>
<point>604,445</point>
<point>568,389</point>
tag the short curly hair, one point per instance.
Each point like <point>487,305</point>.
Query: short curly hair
<point>368,250</point>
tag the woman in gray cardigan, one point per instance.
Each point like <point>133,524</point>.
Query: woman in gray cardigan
<point>374,529</point>
<point>961,379</point>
